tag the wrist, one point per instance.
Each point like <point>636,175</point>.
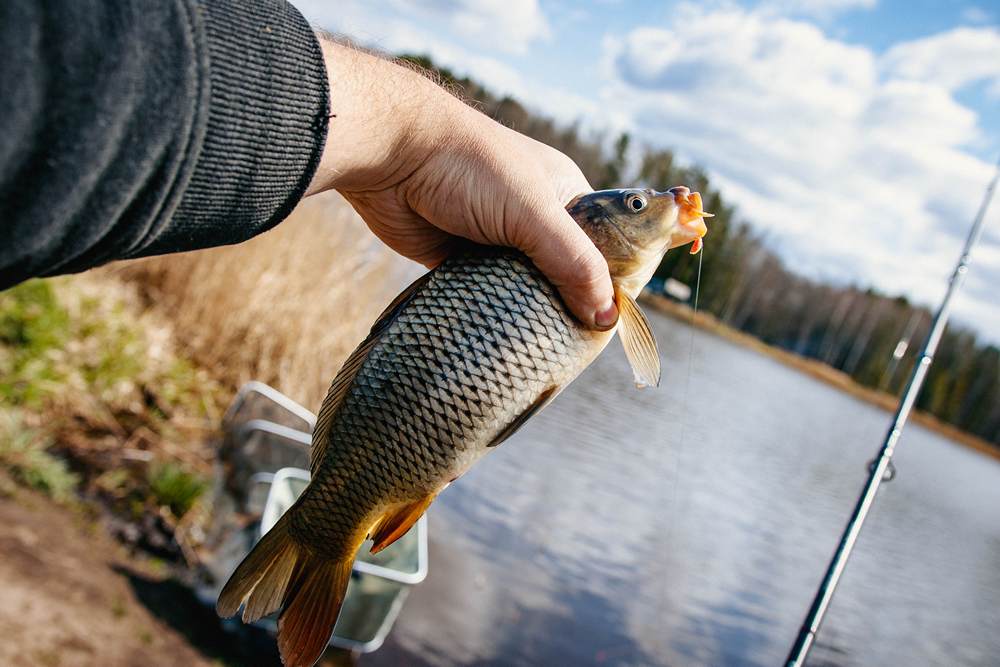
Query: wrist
<point>386,120</point>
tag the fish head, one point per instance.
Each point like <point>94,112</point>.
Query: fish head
<point>633,228</point>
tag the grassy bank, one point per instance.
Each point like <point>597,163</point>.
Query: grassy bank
<point>99,405</point>
<point>112,388</point>
<point>71,596</point>
<point>113,383</point>
<point>816,369</point>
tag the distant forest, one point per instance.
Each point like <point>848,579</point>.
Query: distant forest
<point>748,287</point>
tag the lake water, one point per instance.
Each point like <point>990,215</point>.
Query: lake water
<point>690,525</point>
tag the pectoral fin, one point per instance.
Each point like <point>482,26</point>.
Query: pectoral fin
<point>638,341</point>
<point>543,399</point>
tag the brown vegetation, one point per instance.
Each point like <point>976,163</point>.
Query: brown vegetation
<point>286,307</point>
<point>112,386</point>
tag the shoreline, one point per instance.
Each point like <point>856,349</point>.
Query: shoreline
<point>818,370</point>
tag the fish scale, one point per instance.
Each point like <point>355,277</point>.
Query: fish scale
<point>472,349</point>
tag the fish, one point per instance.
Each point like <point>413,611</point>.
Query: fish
<point>453,367</point>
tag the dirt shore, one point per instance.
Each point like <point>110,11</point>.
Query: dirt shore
<point>71,595</point>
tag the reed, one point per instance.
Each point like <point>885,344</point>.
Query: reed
<point>286,307</point>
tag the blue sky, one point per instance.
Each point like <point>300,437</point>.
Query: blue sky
<point>859,134</point>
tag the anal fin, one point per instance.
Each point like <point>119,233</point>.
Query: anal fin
<point>397,520</point>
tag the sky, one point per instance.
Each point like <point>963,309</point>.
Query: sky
<point>859,135</point>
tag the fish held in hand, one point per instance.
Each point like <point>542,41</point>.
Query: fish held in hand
<point>454,366</point>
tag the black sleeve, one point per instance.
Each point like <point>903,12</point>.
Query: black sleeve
<point>140,127</point>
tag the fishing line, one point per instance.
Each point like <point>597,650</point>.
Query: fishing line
<point>692,323</point>
<point>690,367</point>
<point>697,287</point>
<point>694,317</point>
<point>668,533</point>
<point>687,384</point>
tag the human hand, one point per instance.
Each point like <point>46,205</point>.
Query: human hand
<point>422,168</point>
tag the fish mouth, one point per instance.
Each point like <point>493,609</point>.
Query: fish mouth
<point>690,218</point>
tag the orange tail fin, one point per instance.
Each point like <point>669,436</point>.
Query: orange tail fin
<point>308,589</point>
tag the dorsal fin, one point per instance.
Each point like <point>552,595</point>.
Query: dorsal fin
<point>638,341</point>
<point>345,377</point>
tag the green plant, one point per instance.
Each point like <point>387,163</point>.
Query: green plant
<point>172,486</point>
<point>34,327</point>
<point>23,452</point>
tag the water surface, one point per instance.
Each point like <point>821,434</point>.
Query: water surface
<point>690,525</point>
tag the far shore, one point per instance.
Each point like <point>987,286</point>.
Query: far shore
<point>818,370</point>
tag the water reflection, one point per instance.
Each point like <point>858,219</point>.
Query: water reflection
<point>689,525</point>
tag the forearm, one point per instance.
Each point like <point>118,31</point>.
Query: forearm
<point>139,127</point>
<point>153,126</point>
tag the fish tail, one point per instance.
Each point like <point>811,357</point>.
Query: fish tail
<point>280,573</point>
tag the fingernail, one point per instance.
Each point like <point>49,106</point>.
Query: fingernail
<point>606,318</point>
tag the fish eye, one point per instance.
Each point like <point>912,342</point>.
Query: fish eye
<point>635,202</point>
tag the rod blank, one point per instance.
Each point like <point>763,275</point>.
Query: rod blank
<point>824,594</point>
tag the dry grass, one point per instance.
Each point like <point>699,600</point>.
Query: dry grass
<point>286,307</point>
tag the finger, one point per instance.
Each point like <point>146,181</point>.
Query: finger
<point>568,258</point>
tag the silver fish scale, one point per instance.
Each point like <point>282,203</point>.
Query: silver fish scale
<point>470,351</point>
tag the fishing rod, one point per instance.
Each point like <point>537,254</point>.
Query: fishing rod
<point>881,468</point>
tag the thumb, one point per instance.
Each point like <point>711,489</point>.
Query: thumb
<point>570,260</point>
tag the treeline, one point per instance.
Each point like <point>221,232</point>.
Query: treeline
<point>872,337</point>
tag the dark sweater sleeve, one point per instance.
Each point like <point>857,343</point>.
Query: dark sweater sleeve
<point>138,127</point>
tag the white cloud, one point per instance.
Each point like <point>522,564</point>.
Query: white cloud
<point>817,8</point>
<point>398,27</point>
<point>509,26</point>
<point>855,163</point>
<point>950,59</point>
<point>976,15</point>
